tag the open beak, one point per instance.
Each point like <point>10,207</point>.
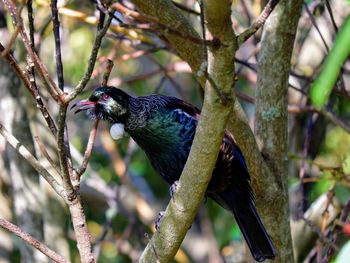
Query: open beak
<point>83,105</point>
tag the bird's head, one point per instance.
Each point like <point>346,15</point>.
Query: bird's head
<point>106,103</point>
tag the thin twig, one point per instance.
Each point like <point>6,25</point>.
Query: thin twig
<point>32,241</point>
<point>20,73</point>
<point>10,43</point>
<point>244,97</point>
<point>44,152</point>
<point>313,21</point>
<point>31,23</point>
<point>31,75</point>
<point>93,132</point>
<point>224,99</point>
<point>259,22</point>
<point>319,233</point>
<point>62,155</point>
<point>331,15</point>
<point>56,32</point>
<point>108,72</point>
<point>23,151</point>
<point>327,113</point>
<point>39,102</point>
<point>202,19</point>
<point>101,33</point>
<point>88,150</point>
<point>165,70</point>
<point>139,53</point>
<point>55,92</point>
<point>28,83</point>
<point>334,235</point>
<point>304,200</point>
<point>335,119</point>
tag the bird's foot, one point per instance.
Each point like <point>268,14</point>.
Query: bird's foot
<point>159,220</point>
<point>173,189</point>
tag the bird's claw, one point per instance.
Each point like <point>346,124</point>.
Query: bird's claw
<point>159,220</point>
<point>172,189</point>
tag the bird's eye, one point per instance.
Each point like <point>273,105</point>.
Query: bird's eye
<point>105,96</point>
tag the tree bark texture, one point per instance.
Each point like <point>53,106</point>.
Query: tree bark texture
<point>271,121</point>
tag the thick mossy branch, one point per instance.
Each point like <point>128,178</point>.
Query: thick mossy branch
<point>271,121</point>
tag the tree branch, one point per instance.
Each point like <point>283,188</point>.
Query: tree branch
<point>271,123</point>
<point>88,150</point>
<point>54,91</point>
<point>100,34</point>
<point>29,84</point>
<point>56,31</point>
<point>183,207</point>
<point>23,151</point>
<point>259,22</point>
<point>32,241</point>
<point>303,235</point>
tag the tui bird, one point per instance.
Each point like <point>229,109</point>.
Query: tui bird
<point>164,127</point>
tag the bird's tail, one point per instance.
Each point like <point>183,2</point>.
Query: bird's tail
<point>252,228</point>
<point>254,232</point>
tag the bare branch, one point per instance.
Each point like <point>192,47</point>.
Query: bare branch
<point>335,119</point>
<point>32,241</point>
<point>327,113</point>
<point>88,150</point>
<point>108,72</point>
<point>55,92</point>
<point>23,151</point>
<point>313,21</point>
<point>44,152</point>
<point>10,43</point>
<point>31,23</point>
<point>334,235</point>
<point>101,33</point>
<point>39,102</point>
<point>259,22</point>
<point>307,229</point>
<point>56,31</point>
<point>62,154</point>
<point>271,123</point>
<point>30,84</point>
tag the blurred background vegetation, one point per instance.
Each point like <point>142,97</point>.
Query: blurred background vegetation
<point>122,194</point>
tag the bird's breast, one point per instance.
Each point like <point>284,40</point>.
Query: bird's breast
<point>166,145</point>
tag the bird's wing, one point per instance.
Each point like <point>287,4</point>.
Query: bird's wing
<point>183,107</point>
<point>187,116</point>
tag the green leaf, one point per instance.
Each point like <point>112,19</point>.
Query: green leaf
<point>323,85</point>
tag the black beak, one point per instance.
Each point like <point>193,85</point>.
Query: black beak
<point>83,105</point>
